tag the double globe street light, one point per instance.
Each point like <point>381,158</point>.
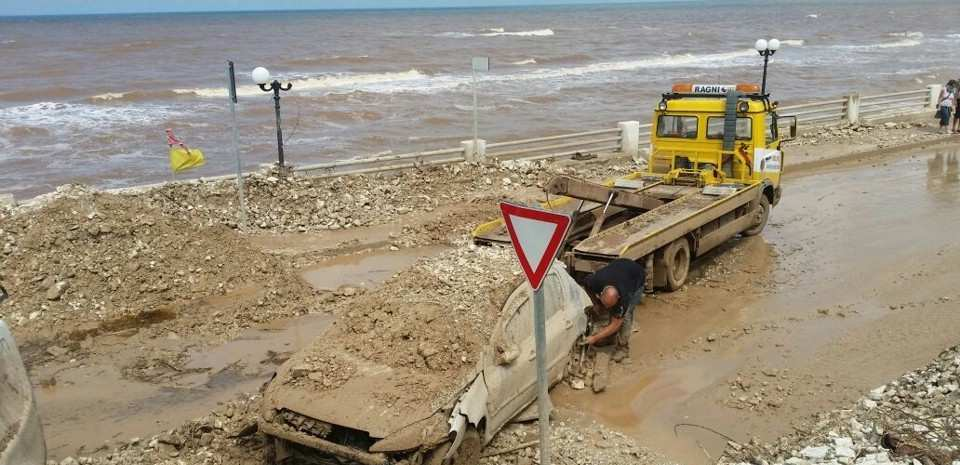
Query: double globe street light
<point>261,76</point>
<point>766,49</point>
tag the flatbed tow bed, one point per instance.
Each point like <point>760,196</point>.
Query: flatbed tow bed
<point>714,172</point>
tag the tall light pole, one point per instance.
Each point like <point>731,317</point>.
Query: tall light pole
<point>766,49</point>
<point>261,76</point>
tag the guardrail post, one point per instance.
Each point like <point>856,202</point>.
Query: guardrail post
<point>933,96</point>
<point>473,154</point>
<point>852,109</point>
<point>630,138</point>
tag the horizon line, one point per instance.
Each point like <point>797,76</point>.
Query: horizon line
<point>399,8</point>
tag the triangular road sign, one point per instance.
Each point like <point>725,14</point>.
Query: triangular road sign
<point>537,235</point>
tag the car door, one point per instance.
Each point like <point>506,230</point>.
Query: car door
<point>19,418</point>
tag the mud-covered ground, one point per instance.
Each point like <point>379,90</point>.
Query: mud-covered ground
<point>139,311</point>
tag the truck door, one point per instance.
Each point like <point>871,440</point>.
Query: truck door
<point>768,160</point>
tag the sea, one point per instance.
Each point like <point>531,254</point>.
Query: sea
<point>86,99</point>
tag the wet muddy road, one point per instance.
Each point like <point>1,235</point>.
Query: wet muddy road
<point>853,283</point>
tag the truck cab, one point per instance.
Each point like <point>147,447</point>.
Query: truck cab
<point>706,134</point>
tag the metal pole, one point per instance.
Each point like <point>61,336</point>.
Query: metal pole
<point>763,86</point>
<point>476,125</point>
<point>543,396</point>
<point>236,147</point>
<point>276,107</point>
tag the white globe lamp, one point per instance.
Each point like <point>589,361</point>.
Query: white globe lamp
<point>260,75</point>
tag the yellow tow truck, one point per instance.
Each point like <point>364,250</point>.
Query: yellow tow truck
<point>714,172</point>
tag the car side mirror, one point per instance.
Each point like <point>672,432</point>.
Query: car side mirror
<point>789,122</point>
<point>506,352</point>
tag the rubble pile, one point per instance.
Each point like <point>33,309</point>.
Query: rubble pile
<point>88,262</point>
<point>227,435</point>
<point>912,420</point>
<point>881,134</point>
<point>572,443</point>
<point>301,203</point>
<point>431,318</point>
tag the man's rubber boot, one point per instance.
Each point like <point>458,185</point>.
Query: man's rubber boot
<point>620,354</point>
<point>601,371</point>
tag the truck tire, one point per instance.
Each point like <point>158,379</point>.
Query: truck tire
<point>762,213</point>
<point>676,263</point>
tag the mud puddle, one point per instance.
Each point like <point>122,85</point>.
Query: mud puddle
<point>863,289</point>
<point>364,269</point>
<point>99,392</point>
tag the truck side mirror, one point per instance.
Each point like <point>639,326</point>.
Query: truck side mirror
<point>787,122</point>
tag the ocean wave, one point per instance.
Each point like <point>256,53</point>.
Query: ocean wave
<point>793,42</point>
<point>953,36</point>
<point>813,16</point>
<point>79,117</point>
<point>417,82</point>
<point>327,60</point>
<point>332,81</point>
<point>496,32</point>
<point>907,34</point>
<point>528,61</point>
<point>7,42</point>
<point>133,96</point>
<point>40,93</point>
<point>884,45</point>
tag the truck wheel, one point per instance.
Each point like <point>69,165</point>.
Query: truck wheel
<point>468,454</point>
<point>762,214</point>
<point>676,261</point>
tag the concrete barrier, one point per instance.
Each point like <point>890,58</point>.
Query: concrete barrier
<point>18,410</point>
<point>630,138</point>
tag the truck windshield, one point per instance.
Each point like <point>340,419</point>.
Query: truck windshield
<point>715,128</point>
<point>677,126</point>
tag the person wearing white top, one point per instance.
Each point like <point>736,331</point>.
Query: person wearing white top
<point>947,100</point>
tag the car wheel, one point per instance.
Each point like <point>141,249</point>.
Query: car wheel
<point>762,214</point>
<point>468,454</point>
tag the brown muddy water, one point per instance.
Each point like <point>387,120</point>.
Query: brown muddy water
<point>96,403</point>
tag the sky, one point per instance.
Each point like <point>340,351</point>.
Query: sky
<point>69,7</point>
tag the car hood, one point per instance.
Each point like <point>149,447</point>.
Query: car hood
<point>376,398</point>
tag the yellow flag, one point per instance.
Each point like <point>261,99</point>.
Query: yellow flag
<point>181,160</point>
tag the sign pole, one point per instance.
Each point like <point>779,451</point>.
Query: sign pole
<point>543,384</point>
<point>537,237</point>
<point>231,76</point>
<point>476,124</point>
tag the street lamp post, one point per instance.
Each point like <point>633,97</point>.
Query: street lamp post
<point>261,76</point>
<point>766,49</point>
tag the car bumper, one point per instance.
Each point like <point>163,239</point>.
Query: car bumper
<point>365,458</point>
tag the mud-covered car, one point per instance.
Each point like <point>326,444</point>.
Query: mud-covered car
<point>21,434</point>
<point>401,415</point>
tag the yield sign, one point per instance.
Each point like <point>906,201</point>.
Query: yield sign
<point>537,236</point>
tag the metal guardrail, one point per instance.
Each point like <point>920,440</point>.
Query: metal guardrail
<point>556,146</point>
<point>533,149</point>
<point>825,112</point>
